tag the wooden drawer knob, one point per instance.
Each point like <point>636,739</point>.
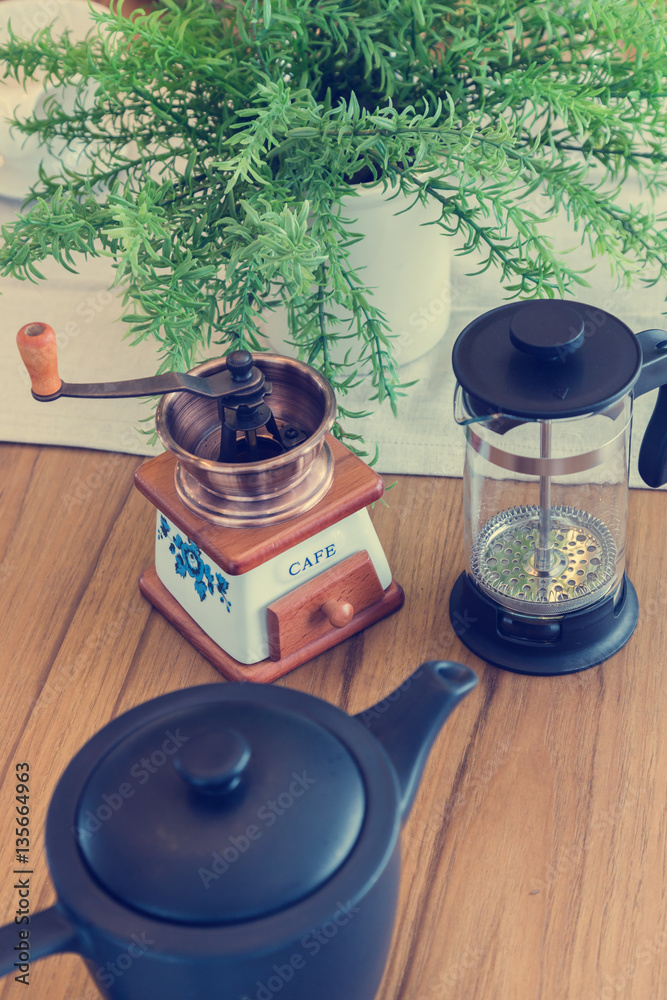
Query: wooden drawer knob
<point>339,613</point>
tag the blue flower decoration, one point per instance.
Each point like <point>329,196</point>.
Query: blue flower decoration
<point>222,588</point>
<point>189,563</point>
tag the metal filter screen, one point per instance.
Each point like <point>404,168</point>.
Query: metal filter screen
<point>582,560</point>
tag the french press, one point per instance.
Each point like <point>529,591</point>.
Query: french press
<point>544,394</point>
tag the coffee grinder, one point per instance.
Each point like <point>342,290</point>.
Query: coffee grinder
<point>265,554</point>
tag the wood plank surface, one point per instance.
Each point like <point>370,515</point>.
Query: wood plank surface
<point>535,854</point>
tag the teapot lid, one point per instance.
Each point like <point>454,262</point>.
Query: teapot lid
<point>546,359</point>
<point>220,812</point>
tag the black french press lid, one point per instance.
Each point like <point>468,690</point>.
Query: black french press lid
<point>220,813</point>
<point>546,359</point>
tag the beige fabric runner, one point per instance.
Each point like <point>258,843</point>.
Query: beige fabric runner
<point>85,314</point>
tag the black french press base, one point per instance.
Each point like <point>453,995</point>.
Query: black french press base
<point>527,644</point>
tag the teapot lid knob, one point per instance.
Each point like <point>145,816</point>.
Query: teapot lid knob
<point>213,762</point>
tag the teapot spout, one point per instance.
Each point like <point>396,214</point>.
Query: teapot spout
<point>407,722</point>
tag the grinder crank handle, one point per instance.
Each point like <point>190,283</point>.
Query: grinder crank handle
<point>38,349</point>
<point>37,346</point>
<point>653,451</point>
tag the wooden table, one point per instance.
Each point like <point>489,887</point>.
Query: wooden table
<point>535,862</point>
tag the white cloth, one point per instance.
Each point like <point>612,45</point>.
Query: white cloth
<point>86,317</point>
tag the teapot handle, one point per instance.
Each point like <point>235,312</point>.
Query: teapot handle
<point>50,932</point>
<point>653,451</point>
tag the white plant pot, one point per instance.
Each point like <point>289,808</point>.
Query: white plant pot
<point>405,263</point>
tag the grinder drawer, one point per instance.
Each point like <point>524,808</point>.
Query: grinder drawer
<point>331,600</point>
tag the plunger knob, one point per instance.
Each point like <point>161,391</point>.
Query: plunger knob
<point>547,329</point>
<point>339,613</point>
<point>239,365</point>
<point>37,347</point>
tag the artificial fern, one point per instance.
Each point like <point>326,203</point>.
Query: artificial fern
<point>221,139</point>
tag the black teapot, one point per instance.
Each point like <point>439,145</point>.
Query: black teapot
<point>235,842</point>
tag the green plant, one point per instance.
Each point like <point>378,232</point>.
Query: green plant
<point>221,138</point>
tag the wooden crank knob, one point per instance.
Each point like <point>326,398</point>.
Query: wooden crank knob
<point>37,346</point>
<point>339,613</point>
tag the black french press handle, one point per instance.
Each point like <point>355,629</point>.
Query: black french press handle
<point>653,451</point>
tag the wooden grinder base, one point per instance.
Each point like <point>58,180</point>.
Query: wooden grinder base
<point>298,628</point>
<point>266,670</point>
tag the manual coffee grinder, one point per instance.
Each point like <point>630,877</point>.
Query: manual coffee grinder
<point>544,394</point>
<point>265,553</point>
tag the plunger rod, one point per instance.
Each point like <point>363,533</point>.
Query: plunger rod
<point>543,556</point>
